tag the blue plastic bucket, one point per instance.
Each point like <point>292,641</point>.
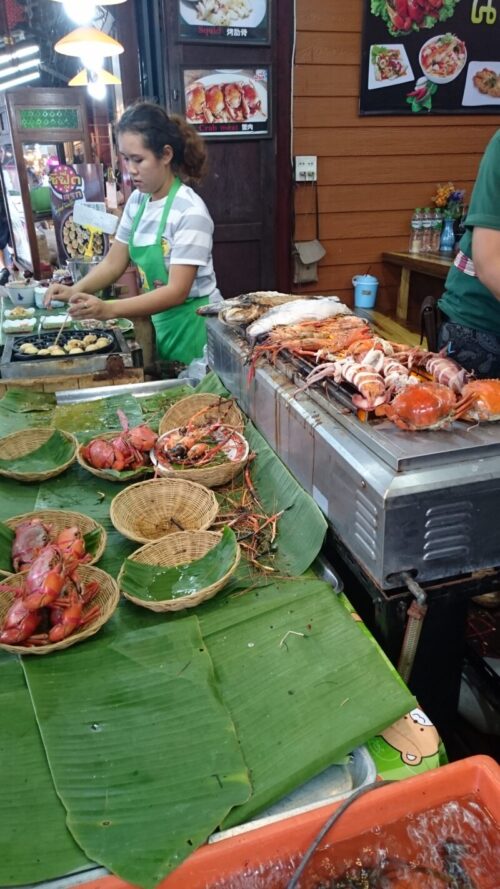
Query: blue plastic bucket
<point>365,291</point>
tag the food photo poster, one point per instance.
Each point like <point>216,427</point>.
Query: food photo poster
<point>70,183</point>
<point>224,21</point>
<point>430,56</point>
<point>229,102</point>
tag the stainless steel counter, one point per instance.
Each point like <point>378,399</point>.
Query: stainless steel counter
<point>422,502</point>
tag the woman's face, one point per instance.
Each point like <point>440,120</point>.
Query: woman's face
<point>150,174</point>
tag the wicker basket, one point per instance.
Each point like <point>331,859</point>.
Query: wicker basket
<point>179,549</point>
<point>210,476</point>
<point>24,442</point>
<point>106,473</point>
<point>149,510</point>
<point>107,598</point>
<point>59,519</point>
<point>222,409</point>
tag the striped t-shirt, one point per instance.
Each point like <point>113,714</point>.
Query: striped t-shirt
<point>186,240</point>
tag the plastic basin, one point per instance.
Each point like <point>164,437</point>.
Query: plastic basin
<point>266,857</point>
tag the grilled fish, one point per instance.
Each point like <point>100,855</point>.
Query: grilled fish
<point>247,307</point>
<point>297,311</point>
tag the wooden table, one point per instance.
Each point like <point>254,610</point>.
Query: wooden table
<point>430,264</point>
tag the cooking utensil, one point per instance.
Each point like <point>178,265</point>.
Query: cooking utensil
<point>59,332</point>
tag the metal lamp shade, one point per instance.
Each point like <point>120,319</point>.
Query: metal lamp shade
<point>84,41</point>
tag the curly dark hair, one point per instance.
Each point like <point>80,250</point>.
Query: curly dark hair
<point>158,129</point>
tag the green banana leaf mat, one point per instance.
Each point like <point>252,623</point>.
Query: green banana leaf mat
<point>151,733</point>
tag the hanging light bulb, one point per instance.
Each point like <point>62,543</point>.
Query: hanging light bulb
<point>97,90</point>
<point>93,61</point>
<point>81,13</point>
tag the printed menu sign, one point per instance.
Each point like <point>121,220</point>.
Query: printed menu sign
<point>231,103</point>
<point>224,21</point>
<point>430,56</point>
<point>70,183</point>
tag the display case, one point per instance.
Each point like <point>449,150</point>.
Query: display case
<point>38,128</point>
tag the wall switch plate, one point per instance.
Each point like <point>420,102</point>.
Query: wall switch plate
<point>306,168</point>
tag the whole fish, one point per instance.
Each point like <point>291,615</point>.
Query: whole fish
<point>254,303</point>
<point>297,311</point>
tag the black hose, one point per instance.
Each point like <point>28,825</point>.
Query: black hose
<point>333,818</point>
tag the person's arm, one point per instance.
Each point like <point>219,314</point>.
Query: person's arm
<point>486,258</point>
<point>181,277</point>
<point>107,272</point>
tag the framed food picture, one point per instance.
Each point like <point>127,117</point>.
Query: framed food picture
<point>228,103</point>
<point>430,57</point>
<point>224,21</point>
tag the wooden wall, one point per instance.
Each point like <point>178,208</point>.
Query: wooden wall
<point>372,171</point>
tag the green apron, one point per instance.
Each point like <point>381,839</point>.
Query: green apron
<point>180,332</point>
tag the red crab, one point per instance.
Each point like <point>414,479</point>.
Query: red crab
<point>424,406</point>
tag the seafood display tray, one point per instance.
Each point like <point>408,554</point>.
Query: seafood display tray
<point>399,501</point>
<point>13,365</point>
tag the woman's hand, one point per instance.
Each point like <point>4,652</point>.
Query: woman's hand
<point>61,292</point>
<point>83,306</point>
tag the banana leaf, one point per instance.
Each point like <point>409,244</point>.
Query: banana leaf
<point>142,751</point>
<point>155,584</point>
<point>56,450</point>
<point>35,843</point>
<point>27,401</point>
<point>16,498</point>
<point>88,420</point>
<point>302,681</point>
<point>6,539</point>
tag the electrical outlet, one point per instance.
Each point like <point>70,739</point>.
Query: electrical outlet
<point>306,168</point>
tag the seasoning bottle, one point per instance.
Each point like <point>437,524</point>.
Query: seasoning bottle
<point>415,245</point>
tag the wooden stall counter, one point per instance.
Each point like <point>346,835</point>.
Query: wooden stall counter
<point>421,275</point>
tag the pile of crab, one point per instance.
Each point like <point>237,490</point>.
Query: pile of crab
<point>414,388</point>
<point>49,601</point>
<point>127,450</point>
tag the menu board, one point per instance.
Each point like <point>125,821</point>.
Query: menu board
<point>70,183</point>
<point>233,103</point>
<point>224,21</point>
<point>430,56</point>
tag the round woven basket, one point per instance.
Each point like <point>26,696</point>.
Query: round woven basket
<point>24,442</point>
<point>59,519</point>
<point>106,473</point>
<point>179,549</point>
<point>152,509</point>
<point>215,409</point>
<point>107,599</point>
<point>210,476</point>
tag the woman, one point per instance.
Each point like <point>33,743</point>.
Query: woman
<point>470,331</point>
<point>165,229</point>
